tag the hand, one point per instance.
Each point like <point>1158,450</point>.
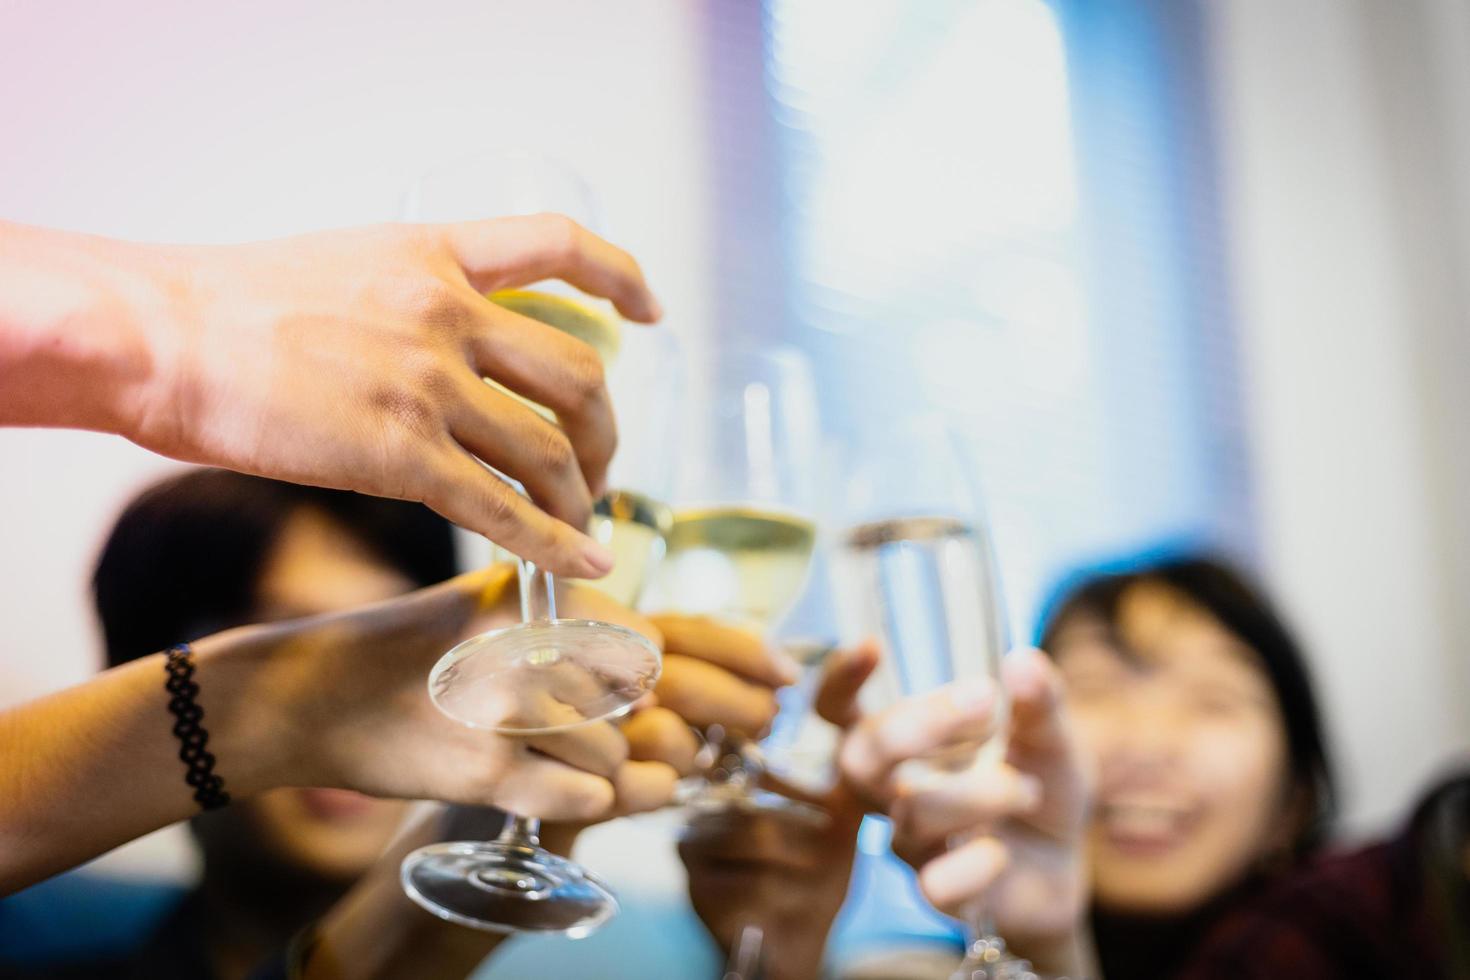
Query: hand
<point>718,674</point>
<point>787,876</point>
<point>353,359</point>
<point>1021,821</point>
<point>350,691</point>
<point>713,674</point>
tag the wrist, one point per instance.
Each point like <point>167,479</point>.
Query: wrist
<point>251,714</point>
<point>79,318</point>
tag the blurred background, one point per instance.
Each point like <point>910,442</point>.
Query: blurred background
<point>1182,271</point>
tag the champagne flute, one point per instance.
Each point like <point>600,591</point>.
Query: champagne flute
<point>742,537</point>
<point>547,674</point>
<point>915,569</point>
<point>632,519</point>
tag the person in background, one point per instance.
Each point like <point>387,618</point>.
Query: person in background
<point>1395,908</point>
<point>1204,846</point>
<point>1166,765</point>
<point>211,549</point>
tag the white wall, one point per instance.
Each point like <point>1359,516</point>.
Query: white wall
<point>1346,133</point>
<point>217,122</point>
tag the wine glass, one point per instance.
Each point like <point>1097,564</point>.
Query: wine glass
<point>546,674</point>
<point>742,536</point>
<point>645,381</point>
<point>914,568</point>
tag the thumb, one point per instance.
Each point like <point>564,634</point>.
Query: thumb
<point>1038,708</point>
<point>843,675</point>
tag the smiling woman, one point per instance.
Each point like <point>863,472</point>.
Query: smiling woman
<point>1194,703</point>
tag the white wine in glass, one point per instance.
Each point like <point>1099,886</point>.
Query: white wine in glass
<point>635,527</point>
<point>742,561</point>
<point>741,543</point>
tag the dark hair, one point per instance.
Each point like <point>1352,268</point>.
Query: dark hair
<point>184,560</point>
<point>1243,610</point>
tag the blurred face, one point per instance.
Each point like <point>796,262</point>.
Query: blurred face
<point>316,567</point>
<point>1190,751</point>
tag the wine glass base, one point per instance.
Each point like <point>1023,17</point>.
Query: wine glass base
<point>502,886</point>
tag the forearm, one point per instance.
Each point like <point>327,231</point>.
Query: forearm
<point>84,328</point>
<point>94,766</point>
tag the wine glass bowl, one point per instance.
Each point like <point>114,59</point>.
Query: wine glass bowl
<point>543,677</point>
<point>915,570</point>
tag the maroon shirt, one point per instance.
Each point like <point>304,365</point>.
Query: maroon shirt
<point>1399,910</point>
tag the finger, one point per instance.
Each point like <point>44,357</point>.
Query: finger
<point>916,727</point>
<point>843,675</point>
<point>504,252</point>
<point>509,436</point>
<point>643,786</point>
<point>703,695</point>
<point>1038,708</point>
<point>739,651</point>
<point>660,735</point>
<point>536,786</point>
<point>554,370</point>
<point>587,602</point>
<point>954,803</point>
<point>471,496</point>
<point>598,747</point>
<point>957,878</point>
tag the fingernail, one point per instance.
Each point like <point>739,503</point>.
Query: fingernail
<point>598,557</point>
<point>788,668</point>
<point>1028,792</point>
<point>972,696</point>
<point>655,308</point>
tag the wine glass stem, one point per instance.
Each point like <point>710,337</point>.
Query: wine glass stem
<point>523,831</point>
<point>538,593</point>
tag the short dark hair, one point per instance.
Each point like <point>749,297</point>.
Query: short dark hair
<point>185,557</point>
<point>1243,609</point>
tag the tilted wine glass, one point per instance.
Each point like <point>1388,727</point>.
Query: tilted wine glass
<point>546,674</point>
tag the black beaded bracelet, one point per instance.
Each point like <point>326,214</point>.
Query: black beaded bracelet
<point>209,789</point>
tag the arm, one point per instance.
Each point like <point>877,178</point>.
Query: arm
<point>349,359</point>
<point>336,701</point>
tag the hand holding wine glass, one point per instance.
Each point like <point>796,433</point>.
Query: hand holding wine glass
<point>348,359</point>
<point>550,677</point>
<point>1019,824</point>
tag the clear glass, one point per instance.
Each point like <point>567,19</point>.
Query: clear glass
<point>632,519</point>
<point>547,674</point>
<point>743,532</point>
<point>915,569</point>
